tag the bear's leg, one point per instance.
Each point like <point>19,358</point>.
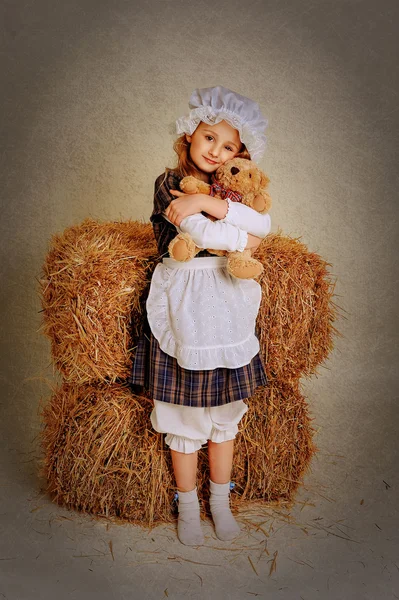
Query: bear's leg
<point>243,266</point>
<point>182,248</point>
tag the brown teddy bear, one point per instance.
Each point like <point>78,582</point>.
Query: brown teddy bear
<point>240,180</point>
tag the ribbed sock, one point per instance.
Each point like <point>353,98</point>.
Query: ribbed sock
<point>189,524</point>
<point>226,527</point>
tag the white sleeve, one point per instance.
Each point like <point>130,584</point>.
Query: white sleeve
<point>247,218</point>
<point>213,234</point>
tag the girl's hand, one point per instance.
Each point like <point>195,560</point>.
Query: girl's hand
<point>184,206</point>
<point>214,207</point>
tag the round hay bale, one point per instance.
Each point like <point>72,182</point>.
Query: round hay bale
<point>95,277</point>
<point>103,457</point>
<point>297,313</point>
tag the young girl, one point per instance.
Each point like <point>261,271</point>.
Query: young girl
<point>199,355</point>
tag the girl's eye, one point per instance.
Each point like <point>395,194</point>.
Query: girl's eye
<point>209,138</point>
<point>230,149</point>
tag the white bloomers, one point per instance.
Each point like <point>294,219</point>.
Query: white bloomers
<point>188,428</point>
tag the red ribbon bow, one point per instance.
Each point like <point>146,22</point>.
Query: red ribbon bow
<point>216,188</point>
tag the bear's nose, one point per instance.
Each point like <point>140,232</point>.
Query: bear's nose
<point>234,170</point>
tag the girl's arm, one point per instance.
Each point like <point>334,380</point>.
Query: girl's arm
<point>252,241</point>
<point>246,218</point>
<point>230,212</point>
<point>185,205</point>
<point>215,234</point>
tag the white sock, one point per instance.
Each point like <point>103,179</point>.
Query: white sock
<point>226,527</point>
<point>189,525</point>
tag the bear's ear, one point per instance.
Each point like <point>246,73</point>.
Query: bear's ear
<point>264,180</point>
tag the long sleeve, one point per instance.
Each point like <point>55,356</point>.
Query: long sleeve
<point>247,218</point>
<point>214,234</point>
<point>164,230</point>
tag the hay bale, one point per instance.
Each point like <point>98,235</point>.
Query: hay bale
<point>95,277</point>
<point>272,450</point>
<point>102,456</point>
<point>297,312</point>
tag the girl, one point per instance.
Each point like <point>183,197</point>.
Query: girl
<point>198,356</point>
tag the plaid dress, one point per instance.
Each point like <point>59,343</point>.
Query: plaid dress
<point>160,374</point>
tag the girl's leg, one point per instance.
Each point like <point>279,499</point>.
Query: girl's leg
<point>189,524</point>
<point>220,464</point>
<point>184,428</point>
<point>185,470</point>
<point>220,460</point>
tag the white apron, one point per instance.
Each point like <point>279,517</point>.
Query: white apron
<point>203,316</point>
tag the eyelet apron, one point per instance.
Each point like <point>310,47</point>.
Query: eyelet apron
<point>202,315</point>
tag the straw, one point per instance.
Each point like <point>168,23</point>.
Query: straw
<point>297,311</point>
<point>95,279</point>
<point>102,456</point>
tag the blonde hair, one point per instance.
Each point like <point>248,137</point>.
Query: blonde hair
<point>185,165</point>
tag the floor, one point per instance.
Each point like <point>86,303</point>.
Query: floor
<point>338,541</point>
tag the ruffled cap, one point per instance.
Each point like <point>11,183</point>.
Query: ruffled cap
<point>216,104</point>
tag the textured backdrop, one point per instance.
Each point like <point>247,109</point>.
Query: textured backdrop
<point>90,91</point>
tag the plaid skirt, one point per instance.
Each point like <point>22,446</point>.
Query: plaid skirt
<point>164,380</point>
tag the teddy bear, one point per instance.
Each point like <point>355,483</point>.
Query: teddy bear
<point>240,180</point>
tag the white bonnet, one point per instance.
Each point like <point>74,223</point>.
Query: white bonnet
<point>216,104</point>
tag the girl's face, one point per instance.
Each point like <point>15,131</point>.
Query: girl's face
<point>212,145</point>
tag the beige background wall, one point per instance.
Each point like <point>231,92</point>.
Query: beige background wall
<point>90,92</point>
